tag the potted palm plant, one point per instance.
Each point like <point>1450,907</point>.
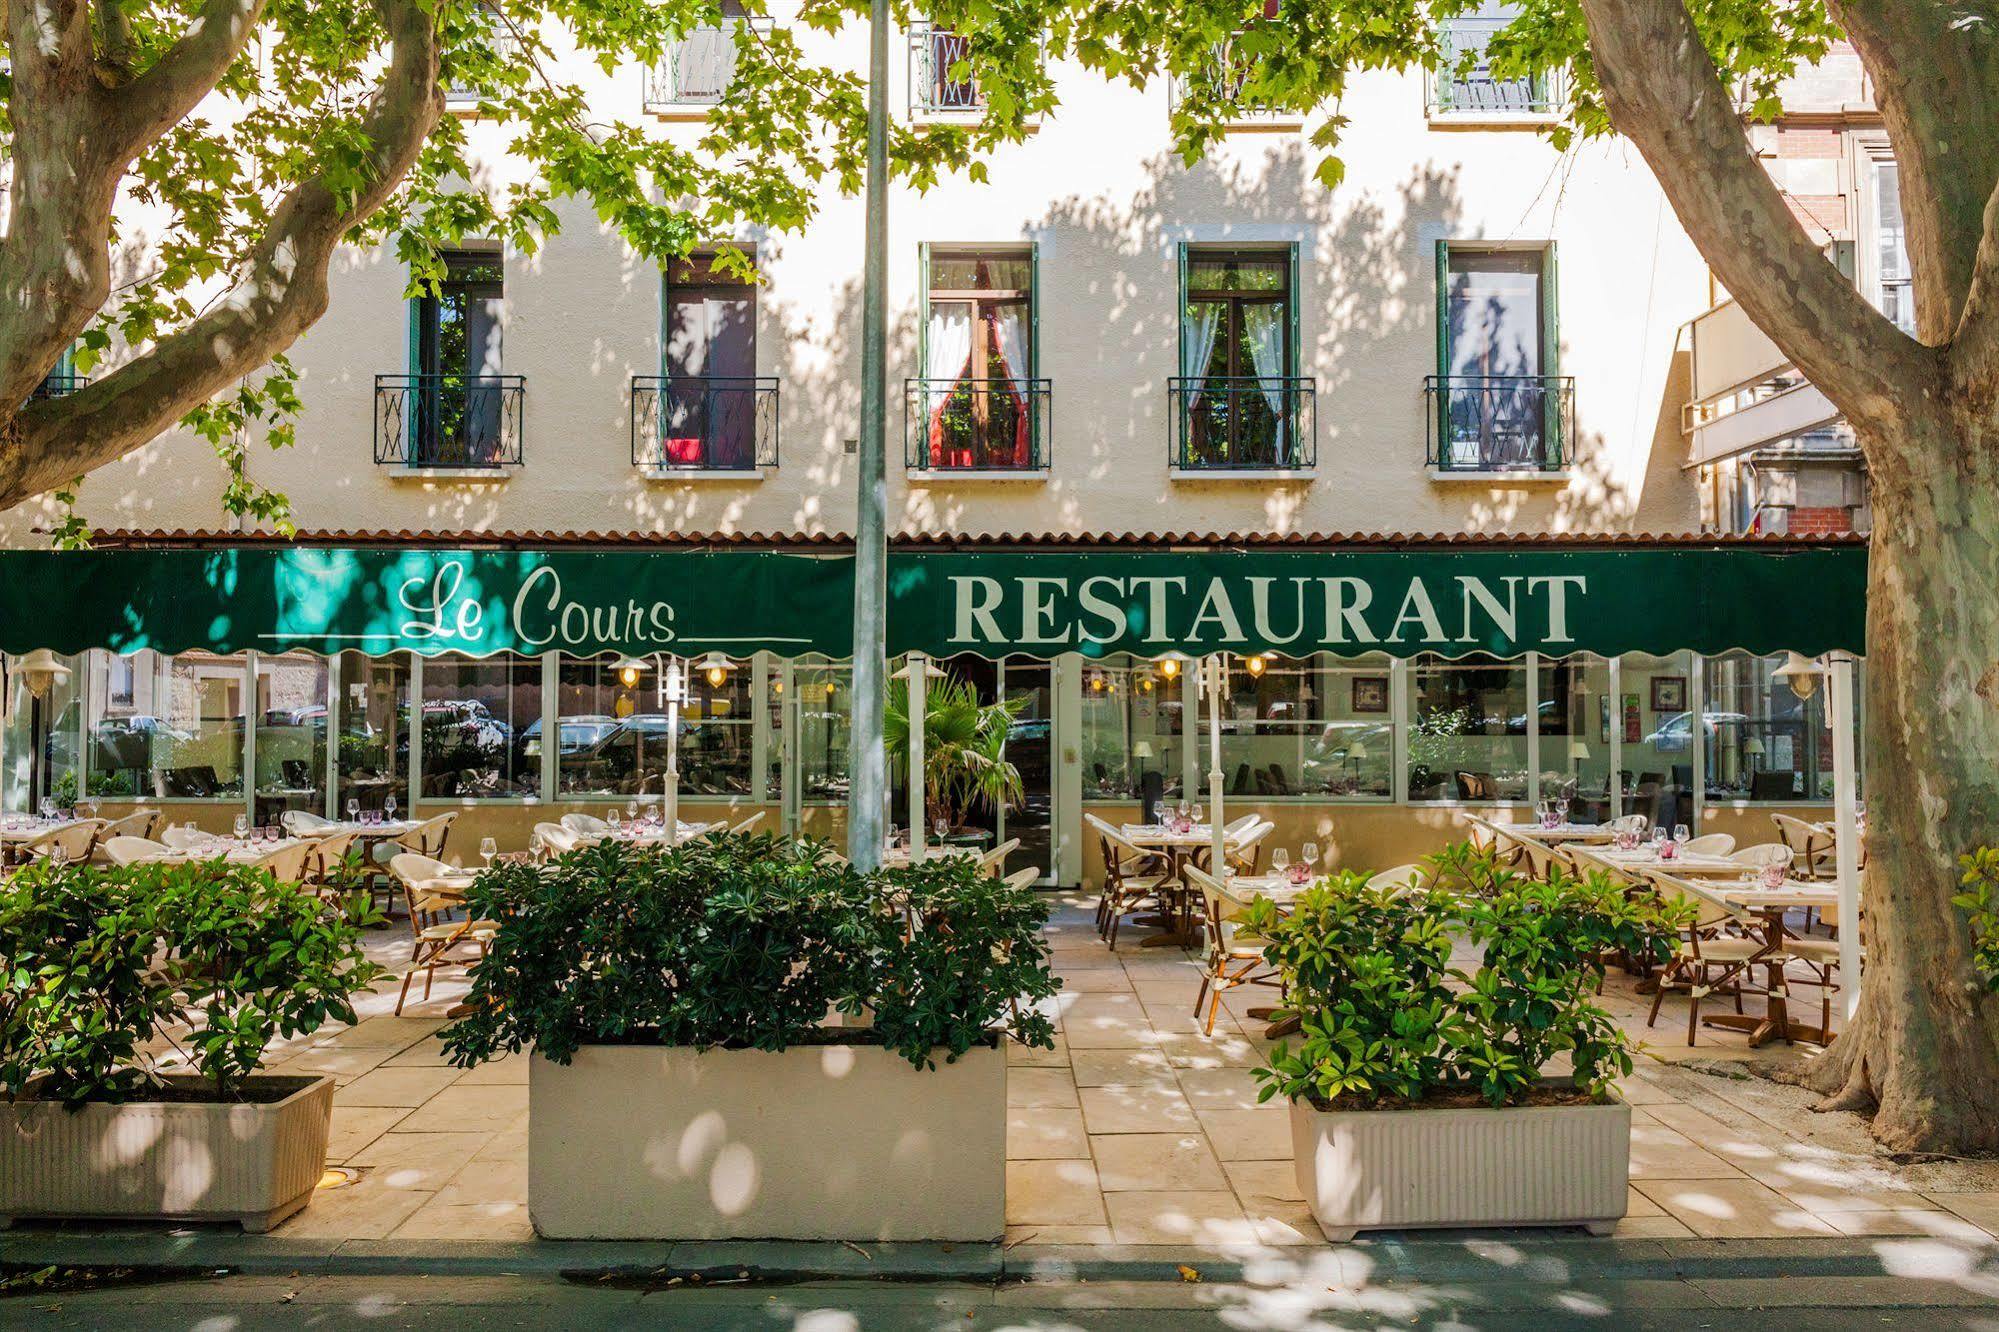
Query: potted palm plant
<point>218,959</point>
<point>1422,1092</point>
<point>964,749</point>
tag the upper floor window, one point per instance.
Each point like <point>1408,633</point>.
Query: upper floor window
<point>699,67</point>
<point>940,74</point>
<point>1463,83</point>
<point>454,408</point>
<point>708,409</point>
<point>489,24</point>
<point>977,405</point>
<point>62,378</point>
<point>1893,277</point>
<point>1498,403</point>
<point>1238,402</point>
<point>1222,75</point>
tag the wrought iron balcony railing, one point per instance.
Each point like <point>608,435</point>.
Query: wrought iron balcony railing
<point>698,68</point>
<point>934,55</point>
<point>58,384</point>
<point>449,420</point>
<point>1500,423</point>
<point>1462,84</point>
<point>505,46</point>
<point>1221,79</point>
<point>707,423</point>
<point>1244,423</point>
<point>976,425</point>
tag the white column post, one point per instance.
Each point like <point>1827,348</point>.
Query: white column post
<point>1845,826</point>
<point>1215,671</point>
<point>918,670</point>
<point>676,690</point>
<point>1612,707</point>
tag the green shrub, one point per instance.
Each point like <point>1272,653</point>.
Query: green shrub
<point>100,960</point>
<point>1386,1018</point>
<point>747,943</point>
<point>1980,903</point>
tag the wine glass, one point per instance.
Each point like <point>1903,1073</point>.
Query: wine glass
<point>242,827</point>
<point>1681,832</point>
<point>1309,853</point>
<point>1562,812</point>
<point>389,808</point>
<point>1280,860</point>
<point>47,808</point>
<point>488,848</point>
<point>631,811</point>
<point>942,829</point>
<point>353,809</point>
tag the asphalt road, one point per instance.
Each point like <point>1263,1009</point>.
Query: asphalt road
<point>226,1304</point>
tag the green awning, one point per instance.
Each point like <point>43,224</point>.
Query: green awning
<point>1454,601</point>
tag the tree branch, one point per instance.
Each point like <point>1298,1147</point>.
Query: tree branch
<point>283,290</point>
<point>189,70</point>
<point>1935,69</point>
<point>1974,350</point>
<point>114,40</point>
<point>1662,91</point>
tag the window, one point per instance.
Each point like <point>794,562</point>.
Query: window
<point>372,761</point>
<point>1657,720</point>
<point>1498,405</point>
<point>455,408</point>
<point>1467,729</point>
<point>700,66</point>
<point>51,724</point>
<point>1237,402</point>
<point>476,712</point>
<point>1463,83</point>
<point>1893,276</point>
<point>940,75</point>
<point>485,22</point>
<point>977,405</point>
<point>825,702</point>
<point>177,735</point>
<point>61,379</point>
<point>1574,714</point>
<point>708,410</point>
<point>291,735</point>
<point>1316,726</point>
<point>1764,742</point>
<point>613,736</point>
<point>1132,730</point>
<point>1222,77</point>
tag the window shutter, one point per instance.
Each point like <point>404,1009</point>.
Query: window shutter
<point>1180,315</point>
<point>1033,308</point>
<point>923,309</point>
<point>1554,416</point>
<point>1293,359</point>
<point>1440,400</point>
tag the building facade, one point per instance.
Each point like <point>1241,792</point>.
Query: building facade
<point>1474,339</point>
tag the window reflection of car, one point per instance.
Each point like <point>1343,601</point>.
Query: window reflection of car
<point>128,742</point>
<point>1672,734</point>
<point>573,735</point>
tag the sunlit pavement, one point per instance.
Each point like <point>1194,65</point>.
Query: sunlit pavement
<point>220,1305</point>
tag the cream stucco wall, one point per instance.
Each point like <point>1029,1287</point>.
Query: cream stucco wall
<point>1098,189</point>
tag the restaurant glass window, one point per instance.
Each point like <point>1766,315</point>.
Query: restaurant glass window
<point>177,734</point>
<point>291,735</point>
<point>717,730</point>
<point>476,711</point>
<point>825,704</point>
<point>1764,742</point>
<point>975,400</point>
<point>610,727</point>
<point>1657,721</point>
<point>1574,711</point>
<point>1132,732</point>
<point>1467,729</point>
<point>50,727</point>
<point>372,761</point>
<point>1314,726</point>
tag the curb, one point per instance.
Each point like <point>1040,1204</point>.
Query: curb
<point>1478,1257</point>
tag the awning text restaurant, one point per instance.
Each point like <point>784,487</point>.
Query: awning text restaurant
<point>1374,688</point>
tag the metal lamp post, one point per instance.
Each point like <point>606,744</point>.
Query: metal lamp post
<point>867,759</point>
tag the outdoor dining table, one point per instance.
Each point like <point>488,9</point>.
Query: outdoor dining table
<point>233,850</point>
<point>1179,847</point>
<point>17,831</point>
<point>897,856</point>
<point>1683,863</point>
<point>1282,890</point>
<point>1769,905</point>
<point>656,836</point>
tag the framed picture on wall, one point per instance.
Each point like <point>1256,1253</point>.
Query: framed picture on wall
<point>1633,727</point>
<point>1370,693</point>
<point>1669,693</point>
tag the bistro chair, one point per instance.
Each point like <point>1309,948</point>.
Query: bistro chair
<point>428,837</point>
<point>139,823</point>
<point>1710,844</point>
<point>1023,878</point>
<point>128,850</point>
<point>287,863</point>
<point>1820,959</point>
<point>1708,960</point>
<point>1133,877</point>
<point>1239,825</point>
<point>437,939</point>
<point>184,839</point>
<point>1631,823</point>
<point>1811,847</point>
<point>1542,858</point>
<point>587,827</point>
<point>1762,855</point>
<point>1400,880</point>
<point>323,861</point>
<point>1233,956</point>
<point>747,824</point>
<point>991,861</point>
<point>1244,851</point>
<point>302,823</point>
<point>67,845</point>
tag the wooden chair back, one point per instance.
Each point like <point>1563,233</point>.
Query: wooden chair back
<point>71,845</point>
<point>287,863</point>
<point>1401,879</point>
<point>992,860</point>
<point>128,850</point>
<point>1763,855</point>
<point>1710,844</point>
<point>428,838</point>
<point>747,824</point>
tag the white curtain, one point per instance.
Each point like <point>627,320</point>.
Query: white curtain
<point>1197,338</point>
<point>1010,329</point>
<point>950,352</point>
<point>1263,331</point>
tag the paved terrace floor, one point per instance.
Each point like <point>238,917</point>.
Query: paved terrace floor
<point>1139,1128</point>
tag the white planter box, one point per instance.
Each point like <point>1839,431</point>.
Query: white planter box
<point>1563,1165</point>
<point>165,1160</point>
<point>829,1142</point>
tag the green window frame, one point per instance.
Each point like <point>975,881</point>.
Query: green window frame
<point>1551,336</point>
